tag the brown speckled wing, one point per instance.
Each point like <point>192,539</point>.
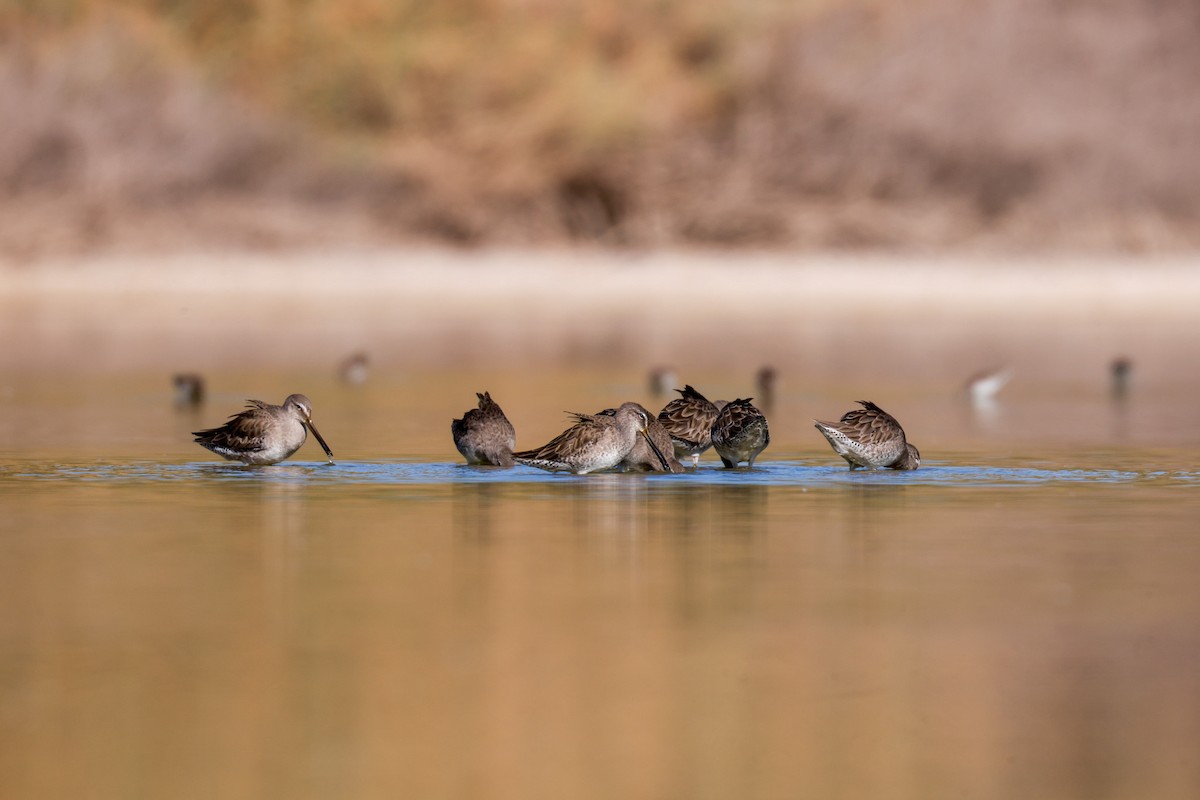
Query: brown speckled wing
<point>490,410</point>
<point>586,433</point>
<point>245,431</point>
<point>484,434</point>
<point>735,419</point>
<point>689,418</point>
<point>488,419</point>
<point>871,425</point>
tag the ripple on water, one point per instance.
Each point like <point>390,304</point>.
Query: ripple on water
<point>774,473</point>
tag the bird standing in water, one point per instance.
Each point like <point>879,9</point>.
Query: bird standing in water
<point>264,434</point>
<point>688,420</point>
<point>484,435</point>
<point>652,453</point>
<point>740,433</point>
<point>870,437</point>
<point>594,442</point>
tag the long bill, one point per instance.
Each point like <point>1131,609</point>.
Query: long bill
<point>661,458</point>
<point>317,434</point>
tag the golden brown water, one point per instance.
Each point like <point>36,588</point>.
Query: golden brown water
<point>1016,619</point>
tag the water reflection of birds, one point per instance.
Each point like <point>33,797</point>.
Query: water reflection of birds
<point>189,389</point>
<point>264,434</point>
<point>484,435</point>
<point>594,442</point>
<point>870,437</point>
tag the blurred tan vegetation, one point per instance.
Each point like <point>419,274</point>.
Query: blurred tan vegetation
<point>1028,124</point>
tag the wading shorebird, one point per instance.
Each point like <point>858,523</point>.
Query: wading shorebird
<point>661,381</point>
<point>484,435</point>
<point>740,433</point>
<point>264,434</point>
<point>594,442</point>
<point>652,453</point>
<point>688,420</point>
<point>870,437</point>
<point>189,389</point>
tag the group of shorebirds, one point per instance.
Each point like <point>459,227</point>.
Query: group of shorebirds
<point>630,438</point>
<point>626,438</point>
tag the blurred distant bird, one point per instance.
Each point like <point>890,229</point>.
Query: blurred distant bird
<point>688,420</point>
<point>189,389</point>
<point>870,437</point>
<point>263,433</point>
<point>484,435</point>
<point>662,380</point>
<point>353,369</point>
<point>1122,372</point>
<point>764,382</point>
<point>982,387</point>
<point>594,442</point>
<point>740,433</point>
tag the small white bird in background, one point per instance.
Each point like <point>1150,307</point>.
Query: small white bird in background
<point>983,387</point>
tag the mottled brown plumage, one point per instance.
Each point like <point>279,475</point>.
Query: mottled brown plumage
<point>643,457</point>
<point>870,437</point>
<point>688,420</point>
<point>263,433</point>
<point>740,433</point>
<point>484,435</point>
<point>594,442</point>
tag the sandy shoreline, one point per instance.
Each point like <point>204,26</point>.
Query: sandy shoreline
<point>484,308</point>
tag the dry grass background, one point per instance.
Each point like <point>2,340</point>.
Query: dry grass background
<point>1022,125</point>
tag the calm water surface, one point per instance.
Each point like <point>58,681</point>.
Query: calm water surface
<point>1016,619</point>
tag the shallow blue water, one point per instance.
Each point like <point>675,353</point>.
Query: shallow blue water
<point>772,473</point>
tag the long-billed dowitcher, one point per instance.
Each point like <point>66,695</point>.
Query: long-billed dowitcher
<point>740,433</point>
<point>484,435</point>
<point>189,389</point>
<point>263,433</point>
<point>652,453</point>
<point>870,437</point>
<point>688,420</point>
<point>594,442</point>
